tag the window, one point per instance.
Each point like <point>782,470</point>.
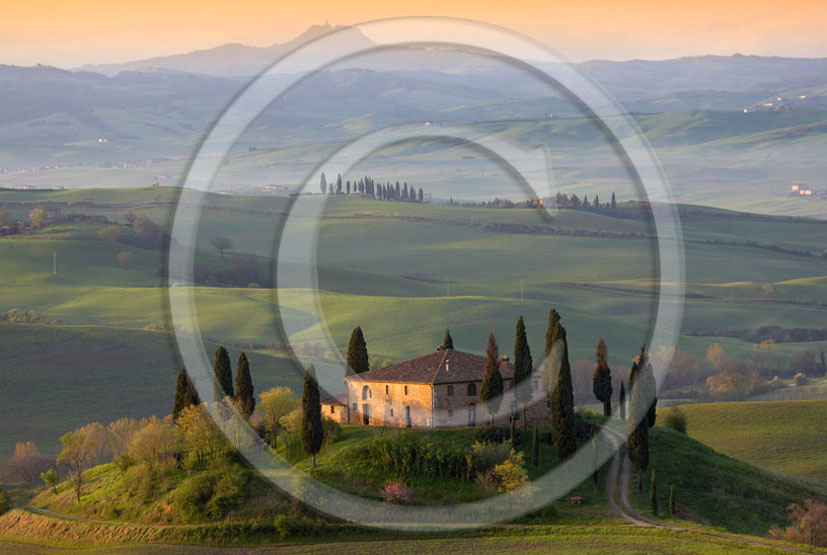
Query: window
<point>472,390</point>
<point>366,393</point>
<point>391,413</point>
<point>408,417</point>
<point>387,389</point>
<point>354,406</point>
<point>450,413</point>
<point>406,390</point>
<point>332,409</point>
<point>472,414</point>
<point>450,390</point>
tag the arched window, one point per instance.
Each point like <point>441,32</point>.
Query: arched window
<point>366,393</point>
<point>472,389</point>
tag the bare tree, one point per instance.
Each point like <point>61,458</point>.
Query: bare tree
<point>221,244</point>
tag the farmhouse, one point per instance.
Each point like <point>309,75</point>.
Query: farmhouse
<point>437,390</point>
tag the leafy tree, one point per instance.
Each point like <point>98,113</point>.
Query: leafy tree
<point>522,367</point>
<point>642,394</point>
<point>312,429</point>
<point>152,440</point>
<point>562,396</point>
<point>201,433</point>
<point>622,400</point>
<point>653,495</point>
<point>323,184</point>
<point>492,381</point>
<point>185,394</point>
<point>447,341</point>
<point>276,403</point>
<point>244,397</point>
<point>535,448</point>
<point>602,380</point>
<point>50,478</point>
<point>357,352</point>
<point>111,233</point>
<point>81,449</point>
<point>672,502</point>
<point>26,465</point>
<point>125,258</point>
<point>223,374</point>
<point>37,217</point>
<point>221,244</point>
<point>511,474</point>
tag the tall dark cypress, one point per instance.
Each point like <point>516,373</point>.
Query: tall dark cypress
<point>357,352</point>
<point>244,397</point>
<point>602,380</point>
<point>640,386</point>
<point>522,367</point>
<point>492,381</point>
<point>622,400</point>
<point>312,431</point>
<point>447,341</point>
<point>562,396</point>
<point>614,202</point>
<point>535,448</point>
<point>553,320</point>
<point>223,373</point>
<point>185,394</point>
<point>653,495</point>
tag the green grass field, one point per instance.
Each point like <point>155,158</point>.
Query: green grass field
<point>384,266</point>
<point>785,436</point>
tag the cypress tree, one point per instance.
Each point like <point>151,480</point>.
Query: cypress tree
<point>223,373</point>
<point>602,380</point>
<point>357,352</point>
<point>622,400</point>
<point>492,381</point>
<point>672,502</point>
<point>339,183</point>
<point>553,320</point>
<point>244,397</point>
<point>312,432</point>
<point>535,448</point>
<point>614,202</point>
<point>513,432</point>
<point>522,366</point>
<point>653,495</point>
<point>638,412</point>
<point>447,341</point>
<point>185,394</point>
<point>562,397</point>
<point>323,184</point>
<point>421,196</point>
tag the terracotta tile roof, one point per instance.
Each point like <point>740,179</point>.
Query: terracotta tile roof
<point>431,369</point>
<point>338,399</point>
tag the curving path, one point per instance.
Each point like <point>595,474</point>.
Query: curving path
<point>617,489</point>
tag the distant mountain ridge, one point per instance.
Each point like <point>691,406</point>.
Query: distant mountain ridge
<point>229,60</point>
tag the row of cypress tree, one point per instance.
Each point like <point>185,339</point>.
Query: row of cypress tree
<point>243,393</point>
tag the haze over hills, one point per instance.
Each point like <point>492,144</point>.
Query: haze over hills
<point>691,109</point>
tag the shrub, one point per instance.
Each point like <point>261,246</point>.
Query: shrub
<point>492,434</point>
<point>138,481</point>
<point>800,379</point>
<point>5,502</point>
<point>776,383</point>
<point>511,474</point>
<point>808,524</point>
<point>330,430</point>
<point>396,492</point>
<point>192,496</point>
<point>214,492</point>
<point>488,455</point>
<point>487,481</point>
<point>675,419</point>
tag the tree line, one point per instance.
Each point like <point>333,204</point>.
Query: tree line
<point>367,186</point>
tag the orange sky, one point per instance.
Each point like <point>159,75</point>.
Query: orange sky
<point>68,34</point>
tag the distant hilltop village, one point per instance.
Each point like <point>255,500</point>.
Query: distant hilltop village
<point>804,190</point>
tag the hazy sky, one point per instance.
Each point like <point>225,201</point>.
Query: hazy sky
<point>69,34</point>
